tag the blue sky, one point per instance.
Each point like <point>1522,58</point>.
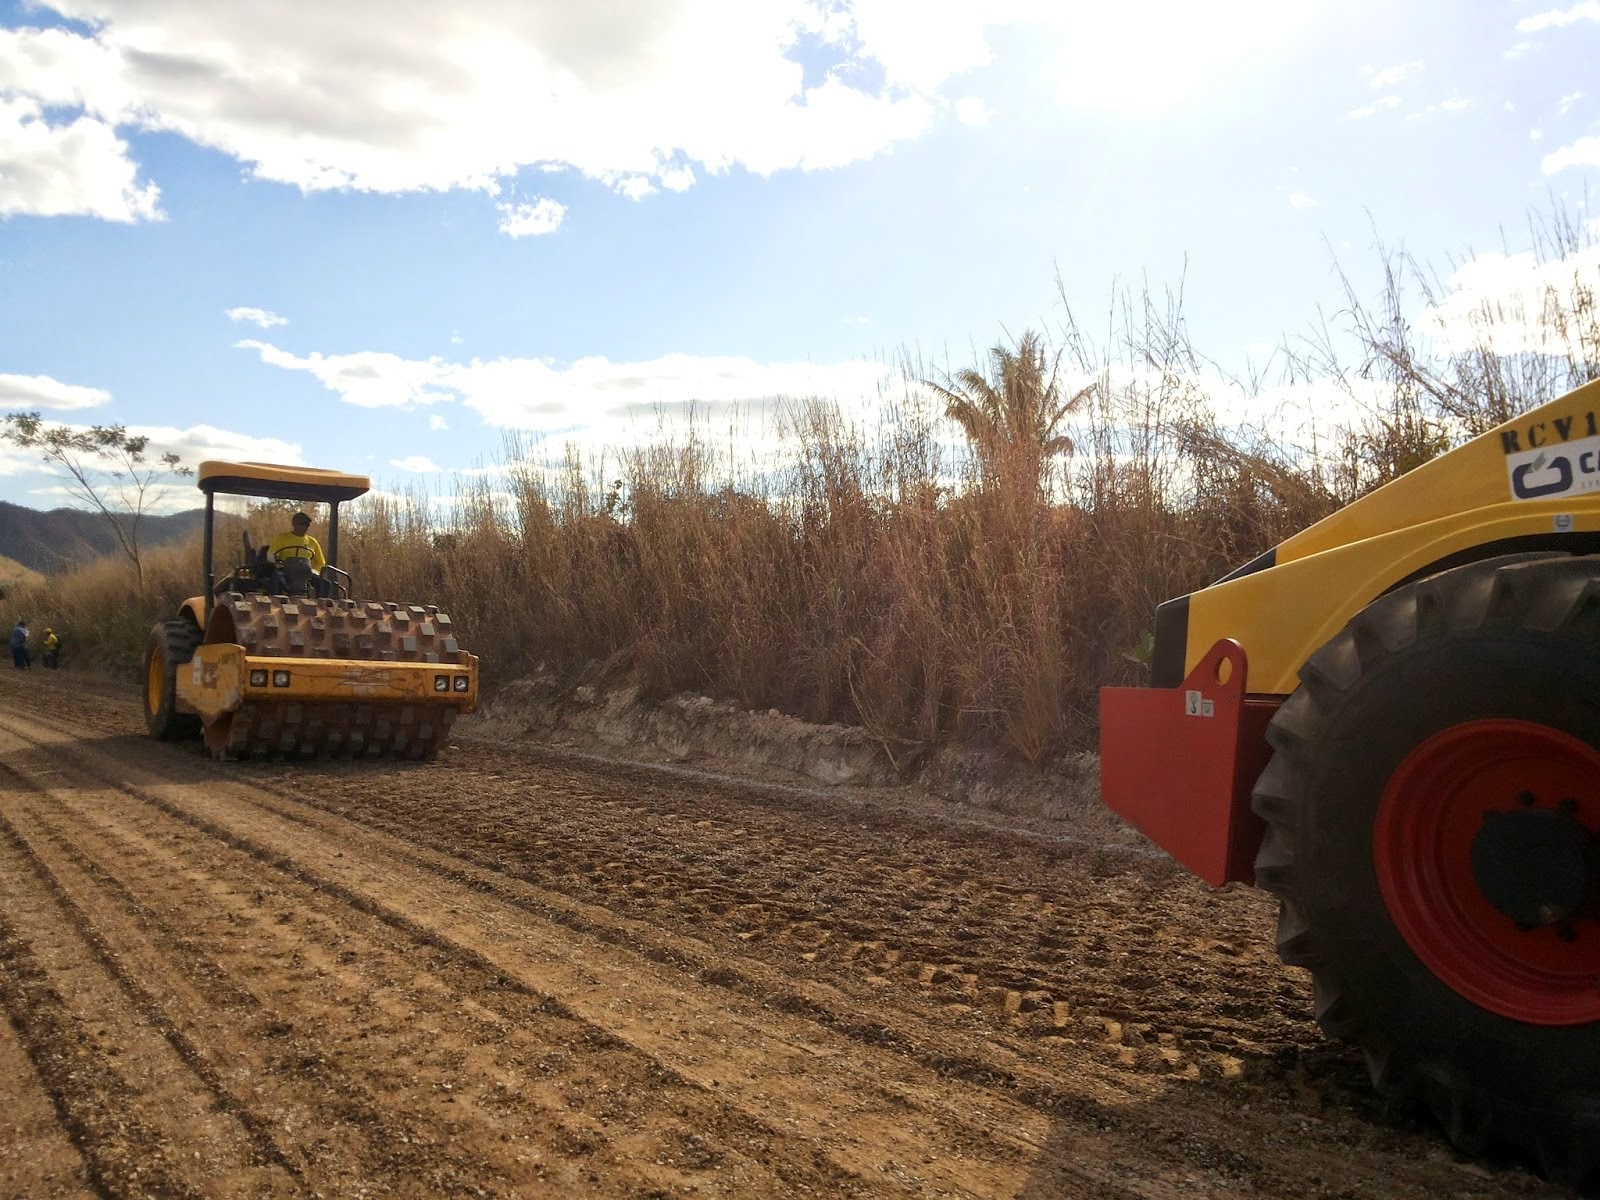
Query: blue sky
<point>433,224</point>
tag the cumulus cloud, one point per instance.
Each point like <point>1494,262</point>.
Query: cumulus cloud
<point>1585,152</point>
<point>416,462</point>
<point>971,110</point>
<point>192,445</point>
<point>1560,18</point>
<point>368,379</point>
<point>531,218</point>
<point>1513,303</point>
<point>401,95</point>
<point>78,167</point>
<point>1372,110</point>
<point>257,316</point>
<point>1567,101</point>
<point>1452,105</point>
<point>591,393</point>
<point>41,391</point>
<point>388,98</point>
<point>1388,77</point>
<point>198,443</point>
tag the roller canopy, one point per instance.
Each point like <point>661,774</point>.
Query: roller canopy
<point>274,482</point>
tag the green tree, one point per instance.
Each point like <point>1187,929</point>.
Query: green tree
<point>106,468</point>
<point>1012,416</point>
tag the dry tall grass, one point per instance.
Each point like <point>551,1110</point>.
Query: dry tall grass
<point>888,577</point>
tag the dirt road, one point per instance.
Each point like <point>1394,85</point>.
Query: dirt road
<point>512,973</point>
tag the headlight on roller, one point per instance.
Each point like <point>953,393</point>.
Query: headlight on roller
<point>258,678</point>
<point>441,683</point>
<point>462,683</point>
<point>280,679</point>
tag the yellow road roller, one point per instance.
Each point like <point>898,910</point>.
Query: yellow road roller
<point>279,657</point>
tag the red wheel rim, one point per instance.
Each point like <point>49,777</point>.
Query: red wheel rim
<point>1430,813</point>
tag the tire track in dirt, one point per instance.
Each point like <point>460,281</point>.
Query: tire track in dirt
<point>366,1108</point>
<point>644,877</point>
<point>109,1059</point>
<point>724,1050</point>
<point>37,1157</point>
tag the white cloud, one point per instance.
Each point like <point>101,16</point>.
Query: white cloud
<point>41,391</point>
<point>433,97</point>
<point>1452,105</point>
<point>1585,152</point>
<point>529,219</point>
<point>194,445</point>
<point>971,110</point>
<point>1371,110</point>
<point>416,462</point>
<point>591,393</point>
<point>78,167</point>
<point>1535,135</point>
<point>1518,50</point>
<point>368,379</point>
<point>1508,303</point>
<point>642,95</point>
<point>677,179</point>
<point>438,424</point>
<point>1568,101</point>
<point>257,316</point>
<point>1388,77</point>
<point>21,462</point>
<point>1301,200</point>
<point>1559,18</point>
<point>198,443</point>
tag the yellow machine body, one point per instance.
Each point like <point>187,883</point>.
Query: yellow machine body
<point>1227,655</point>
<point>1533,483</point>
<point>222,677</point>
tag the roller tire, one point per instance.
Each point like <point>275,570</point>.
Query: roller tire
<point>288,628</point>
<point>1512,639</point>
<point>172,645</point>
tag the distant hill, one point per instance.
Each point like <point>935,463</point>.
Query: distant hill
<point>64,537</point>
<point>12,572</point>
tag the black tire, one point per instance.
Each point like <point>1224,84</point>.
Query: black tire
<point>171,645</point>
<point>1510,639</point>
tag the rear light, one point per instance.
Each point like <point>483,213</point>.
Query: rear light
<point>258,679</point>
<point>462,683</point>
<point>280,679</point>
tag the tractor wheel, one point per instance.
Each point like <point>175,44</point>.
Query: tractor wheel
<point>172,645</point>
<point>1433,837</point>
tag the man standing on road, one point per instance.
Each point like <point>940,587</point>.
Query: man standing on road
<point>52,648</point>
<point>19,645</point>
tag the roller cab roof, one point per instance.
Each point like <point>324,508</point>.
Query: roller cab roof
<point>270,481</point>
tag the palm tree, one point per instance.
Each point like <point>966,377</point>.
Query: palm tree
<point>1013,416</point>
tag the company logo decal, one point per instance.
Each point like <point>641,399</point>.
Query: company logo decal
<point>1553,464</point>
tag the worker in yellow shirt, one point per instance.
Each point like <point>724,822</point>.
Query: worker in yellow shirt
<point>52,648</point>
<point>298,545</point>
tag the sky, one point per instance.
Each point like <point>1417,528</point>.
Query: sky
<point>383,236</point>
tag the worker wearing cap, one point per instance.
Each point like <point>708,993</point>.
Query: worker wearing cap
<point>298,544</point>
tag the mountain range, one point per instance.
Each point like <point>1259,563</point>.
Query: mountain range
<point>64,537</point>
